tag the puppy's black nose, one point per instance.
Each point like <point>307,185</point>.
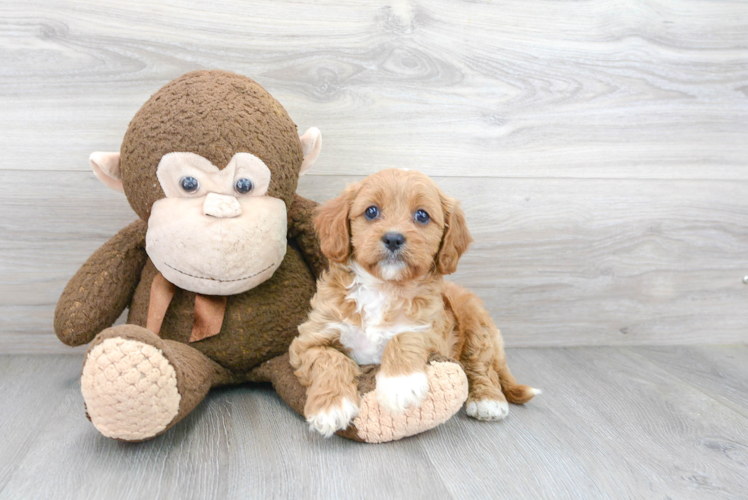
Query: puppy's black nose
<point>393,241</point>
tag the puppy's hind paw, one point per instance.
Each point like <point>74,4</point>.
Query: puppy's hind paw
<point>398,393</point>
<point>487,409</point>
<point>336,418</point>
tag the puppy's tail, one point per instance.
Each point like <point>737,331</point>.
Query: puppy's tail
<point>514,392</point>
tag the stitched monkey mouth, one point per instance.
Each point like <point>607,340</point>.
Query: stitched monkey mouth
<point>216,279</point>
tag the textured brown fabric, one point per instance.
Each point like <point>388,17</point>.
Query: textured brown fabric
<point>258,325</point>
<point>279,373</point>
<point>162,291</point>
<point>367,381</point>
<point>351,433</point>
<point>301,230</point>
<point>209,311</point>
<point>214,114</point>
<point>102,288</point>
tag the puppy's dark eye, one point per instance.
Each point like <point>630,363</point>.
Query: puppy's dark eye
<point>243,186</point>
<point>422,216</point>
<point>371,213</point>
<point>189,184</point>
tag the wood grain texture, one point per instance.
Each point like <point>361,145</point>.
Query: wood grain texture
<point>720,372</point>
<point>558,262</point>
<point>609,424</point>
<point>606,426</point>
<point>649,88</point>
<point>598,147</point>
<point>31,389</point>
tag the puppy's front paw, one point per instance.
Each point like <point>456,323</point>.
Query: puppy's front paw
<point>398,393</point>
<point>334,418</point>
<point>487,409</point>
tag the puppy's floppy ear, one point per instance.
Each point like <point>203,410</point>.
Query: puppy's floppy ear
<point>456,237</point>
<point>333,226</point>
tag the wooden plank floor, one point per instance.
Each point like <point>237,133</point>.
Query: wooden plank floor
<point>613,422</point>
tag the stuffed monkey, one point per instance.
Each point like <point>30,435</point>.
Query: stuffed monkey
<point>217,272</point>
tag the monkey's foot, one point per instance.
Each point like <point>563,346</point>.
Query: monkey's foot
<point>129,387</point>
<point>448,390</point>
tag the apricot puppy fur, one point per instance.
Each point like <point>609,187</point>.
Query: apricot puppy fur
<point>390,239</point>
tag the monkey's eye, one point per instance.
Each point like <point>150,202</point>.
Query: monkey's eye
<point>371,213</point>
<point>189,184</point>
<point>243,186</point>
<point>422,216</point>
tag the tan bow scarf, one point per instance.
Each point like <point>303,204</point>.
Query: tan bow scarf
<point>209,310</point>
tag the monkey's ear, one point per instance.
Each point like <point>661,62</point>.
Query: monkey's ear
<point>311,144</point>
<point>105,167</point>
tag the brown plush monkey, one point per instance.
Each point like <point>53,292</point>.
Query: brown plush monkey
<point>218,271</point>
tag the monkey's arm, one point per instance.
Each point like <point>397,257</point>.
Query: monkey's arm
<point>301,230</point>
<point>102,288</point>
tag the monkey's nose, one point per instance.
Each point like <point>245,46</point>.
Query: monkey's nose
<point>221,206</point>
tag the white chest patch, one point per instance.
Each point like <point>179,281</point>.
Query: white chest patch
<point>366,343</point>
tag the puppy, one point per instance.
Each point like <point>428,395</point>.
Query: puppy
<point>390,239</point>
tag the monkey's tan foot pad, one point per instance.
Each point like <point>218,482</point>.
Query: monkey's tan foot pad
<point>130,389</point>
<point>448,390</point>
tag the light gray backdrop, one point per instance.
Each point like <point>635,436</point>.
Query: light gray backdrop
<point>600,149</point>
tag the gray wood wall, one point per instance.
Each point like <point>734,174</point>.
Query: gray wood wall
<point>600,148</point>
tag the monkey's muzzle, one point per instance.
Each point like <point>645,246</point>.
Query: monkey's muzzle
<point>217,244</point>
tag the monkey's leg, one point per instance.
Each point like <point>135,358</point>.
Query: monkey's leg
<point>448,389</point>
<point>136,385</point>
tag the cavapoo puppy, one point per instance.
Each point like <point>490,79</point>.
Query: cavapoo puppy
<point>390,239</point>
